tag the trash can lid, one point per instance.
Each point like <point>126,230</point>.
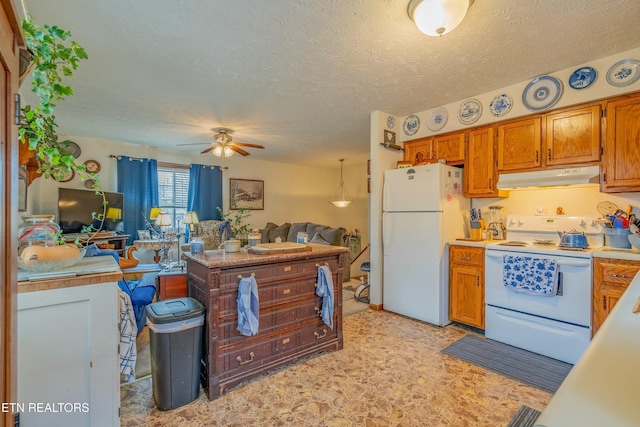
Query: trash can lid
<point>174,310</point>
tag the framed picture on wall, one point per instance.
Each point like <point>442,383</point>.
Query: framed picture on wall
<point>246,193</point>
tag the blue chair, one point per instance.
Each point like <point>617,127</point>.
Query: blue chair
<point>140,292</point>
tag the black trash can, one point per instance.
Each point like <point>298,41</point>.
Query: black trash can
<point>175,336</point>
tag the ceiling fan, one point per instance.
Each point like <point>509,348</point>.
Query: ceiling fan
<point>223,147</point>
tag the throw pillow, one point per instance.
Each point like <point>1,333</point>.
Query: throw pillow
<point>264,232</point>
<point>281,232</point>
<point>295,228</point>
<point>317,238</point>
<point>333,235</point>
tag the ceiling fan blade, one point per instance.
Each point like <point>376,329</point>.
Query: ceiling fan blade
<point>238,150</point>
<point>243,144</point>
<point>196,143</point>
<point>208,149</point>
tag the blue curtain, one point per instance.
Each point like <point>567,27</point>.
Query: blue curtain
<point>138,181</point>
<point>205,191</point>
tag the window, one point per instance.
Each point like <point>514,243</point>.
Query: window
<point>173,186</point>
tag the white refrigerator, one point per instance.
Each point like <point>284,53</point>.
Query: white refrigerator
<point>423,209</point>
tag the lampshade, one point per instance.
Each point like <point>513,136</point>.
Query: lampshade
<point>191,218</point>
<point>437,17</point>
<point>341,197</point>
<point>163,219</point>
<point>114,213</point>
<point>154,213</point>
<point>221,151</point>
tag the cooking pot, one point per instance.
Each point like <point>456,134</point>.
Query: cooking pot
<point>573,239</point>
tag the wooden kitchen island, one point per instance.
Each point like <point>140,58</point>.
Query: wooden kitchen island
<point>290,326</point>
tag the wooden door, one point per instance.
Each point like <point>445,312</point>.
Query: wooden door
<point>622,145</point>
<point>11,40</point>
<point>466,296</point>
<point>573,136</point>
<point>520,145</point>
<point>418,151</point>
<point>450,148</point>
<point>480,172</point>
<point>611,277</point>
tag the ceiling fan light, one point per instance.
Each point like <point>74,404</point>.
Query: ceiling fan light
<point>217,151</point>
<point>228,152</point>
<point>437,17</point>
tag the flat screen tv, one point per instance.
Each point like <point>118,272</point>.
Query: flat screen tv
<point>76,209</point>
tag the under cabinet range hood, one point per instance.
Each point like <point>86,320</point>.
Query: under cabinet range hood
<point>551,177</point>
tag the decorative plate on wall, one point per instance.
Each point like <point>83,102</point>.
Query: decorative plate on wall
<point>74,149</point>
<point>89,184</point>
<point>411,125</point>
<point>68,176</point>
<point>469,111</point>
<point>437,118</point>
<point>583,77</point>
<point>541,93</point>
<point>391,122</point>
<point>623,73</point>
<point>501,105</point>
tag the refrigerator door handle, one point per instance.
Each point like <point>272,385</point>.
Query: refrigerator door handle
<point>385,227</point>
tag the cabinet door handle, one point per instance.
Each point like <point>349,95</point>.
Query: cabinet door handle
<point>622,276</point>
<point>477,280</point>
<point>536,156</point>
<point>318,336</point>
<point>489,182</point>
<point>549,154</point>
<point>604,302</point>
<point>244,362</point>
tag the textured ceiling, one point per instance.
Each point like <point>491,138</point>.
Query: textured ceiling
<point>301,77</point>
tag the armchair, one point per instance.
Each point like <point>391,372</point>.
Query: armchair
<point>207,230</point>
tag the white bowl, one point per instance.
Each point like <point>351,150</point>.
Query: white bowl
<point>634,239</point>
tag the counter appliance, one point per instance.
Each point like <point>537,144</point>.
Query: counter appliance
<point>423,208</point>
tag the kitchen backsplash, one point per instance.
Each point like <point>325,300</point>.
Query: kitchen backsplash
<point>573,199</point>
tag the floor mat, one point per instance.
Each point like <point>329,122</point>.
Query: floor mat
<point>521,365</point>
<point>525,417</point>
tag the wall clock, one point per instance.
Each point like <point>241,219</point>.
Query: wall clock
<point>93,166</point>
<point>68,176</point>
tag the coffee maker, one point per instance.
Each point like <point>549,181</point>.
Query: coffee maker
<point>496,229</point>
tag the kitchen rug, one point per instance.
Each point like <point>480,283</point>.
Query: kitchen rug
<point>525,417</point>
<point>521,365</point>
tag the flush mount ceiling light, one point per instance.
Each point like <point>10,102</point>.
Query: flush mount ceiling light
<point>437,17</point>
<point>341,196</point>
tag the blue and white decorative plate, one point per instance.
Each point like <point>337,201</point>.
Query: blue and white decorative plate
<point>391,122</point>
<point>501,105</point>
<point>541,93</point>
<point>437,118</point>
<point>469,111</point>
<point>411,125</point>
<point>583,77</point>
<point>623,73</point>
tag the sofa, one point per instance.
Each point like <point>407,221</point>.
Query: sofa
<point>207,230</point>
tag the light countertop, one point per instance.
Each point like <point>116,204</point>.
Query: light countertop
<point>602,388</point>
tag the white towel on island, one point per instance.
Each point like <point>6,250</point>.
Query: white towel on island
<point>324,289</point>
<point>128,333</point>
<point>248,306</point>
<point>533,276</point>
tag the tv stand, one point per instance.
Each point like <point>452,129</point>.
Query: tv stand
<point>117,242</point>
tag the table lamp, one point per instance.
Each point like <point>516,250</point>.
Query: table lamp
<point>163,220</point>
<point>154,213</point>
<point>190,219</point>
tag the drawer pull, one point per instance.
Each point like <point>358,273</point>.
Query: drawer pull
<point>244,362</point>
<point>318,265</point>
<point>286,341</point>
<point>317,309</point>
<point>622,276</point>
<point>286,291</point>
<point>287,268</point>
<point>318,336</point>
<point>240,275</point>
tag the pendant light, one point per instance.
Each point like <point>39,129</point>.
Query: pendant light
<point>437,17</point>
<point>341,196</point>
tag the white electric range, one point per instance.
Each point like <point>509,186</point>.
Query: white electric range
<point>558,325</point>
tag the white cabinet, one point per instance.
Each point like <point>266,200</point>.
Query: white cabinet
<point>67,356</point>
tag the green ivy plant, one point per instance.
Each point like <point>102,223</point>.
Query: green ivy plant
<point>55,57</point>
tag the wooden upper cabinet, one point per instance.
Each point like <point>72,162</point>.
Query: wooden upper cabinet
<point>450,147</point>
<point>480,172</point>
<point>622,145</point>
<point>573,136</point>
<point>520,144</point>
<point>419,151</point>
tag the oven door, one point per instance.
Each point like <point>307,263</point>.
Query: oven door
<point>572,303</point>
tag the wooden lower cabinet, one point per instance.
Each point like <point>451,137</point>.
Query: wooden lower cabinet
<point>170,285</point>
<point>290,325</point>
<point>611,277</point>
<point>466,285</point>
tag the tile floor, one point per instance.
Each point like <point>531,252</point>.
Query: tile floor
<point>391,372</point>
